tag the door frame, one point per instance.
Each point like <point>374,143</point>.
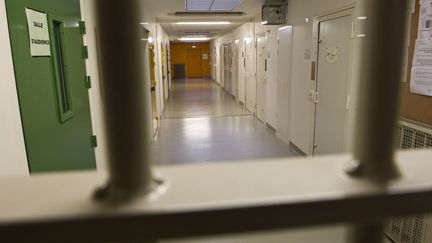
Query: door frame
<point>349,10</point>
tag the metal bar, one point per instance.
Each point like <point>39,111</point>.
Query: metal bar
<point>380,71</point>
<point>126,100</point>
<point>229,198</point>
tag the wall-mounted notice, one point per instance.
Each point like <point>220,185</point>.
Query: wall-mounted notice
<point>38,33</point>
<point>421,81</point>
<point>421,73</point>
<point>425,21</point>
<point>423,54</point>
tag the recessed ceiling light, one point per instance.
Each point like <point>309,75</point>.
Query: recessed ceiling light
<point>204,23</point>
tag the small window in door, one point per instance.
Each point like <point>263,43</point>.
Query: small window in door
<point>64,97</point>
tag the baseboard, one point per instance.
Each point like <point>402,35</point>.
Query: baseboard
<point>271,128</point>
<point>297,149</point>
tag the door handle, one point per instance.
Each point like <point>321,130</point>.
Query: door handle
<point>316,97</point>
<point>265,68</point>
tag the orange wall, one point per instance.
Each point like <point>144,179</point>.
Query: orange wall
<point>179,55</point>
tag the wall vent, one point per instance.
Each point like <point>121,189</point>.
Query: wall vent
<point>413,229</point>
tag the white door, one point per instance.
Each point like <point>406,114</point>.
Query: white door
<point>249,75</point>
<point>261,84</point>
<point>284,82</point>
<point>236,67</point>
<point>229,68</point>
<point>221,64</point>
<point>331,114</point>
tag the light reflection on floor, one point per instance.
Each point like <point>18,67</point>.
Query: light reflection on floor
<point>202,123</point>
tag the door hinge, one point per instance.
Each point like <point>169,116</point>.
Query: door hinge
<point>85,52</point>
<point>88,82</point>
<point>93,140</point>
<point>83,27</point>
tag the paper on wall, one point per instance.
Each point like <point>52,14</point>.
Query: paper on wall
<point>421,72</point>
<point>423,54</point>
<point>425,21</point>
<point>421,81</point>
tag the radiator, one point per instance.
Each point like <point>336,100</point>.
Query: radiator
<point>412,229</point>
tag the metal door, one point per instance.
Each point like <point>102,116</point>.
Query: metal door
<point>194,63</point>
<point>284,81</point>
<point>249,75</point>
<point>261,84</point>
<point>52,90</point>
<point>235,69</point>
<point>331,98</point>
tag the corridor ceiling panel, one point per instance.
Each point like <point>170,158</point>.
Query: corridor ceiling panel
<point>211,5</point>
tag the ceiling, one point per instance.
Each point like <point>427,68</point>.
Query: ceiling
<point>163,12</point>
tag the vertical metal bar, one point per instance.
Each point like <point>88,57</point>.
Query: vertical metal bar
<point>381,31</point>
<point>126,99</point>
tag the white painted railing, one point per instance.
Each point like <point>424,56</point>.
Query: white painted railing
<point>228,197</point>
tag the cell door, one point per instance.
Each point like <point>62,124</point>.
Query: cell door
<point>261,84</point>
<point>249,75</point>
<point>193,65</point>
<point>229,68</point>
<point>284,81</point>
<point>225,67</point>
<point>49,62</point>
<point>235,69</point>
<point>332,100</point>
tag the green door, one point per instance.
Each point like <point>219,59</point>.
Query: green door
<point>51,84</point>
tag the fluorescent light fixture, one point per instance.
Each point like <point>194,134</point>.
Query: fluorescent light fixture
<point>362,17</point>
<point>204,23</point>
<point>194,39</point>
<point>264,22</point>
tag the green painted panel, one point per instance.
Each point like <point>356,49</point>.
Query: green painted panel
<point>56,140</point>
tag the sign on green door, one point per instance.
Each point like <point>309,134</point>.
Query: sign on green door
<point>49,62</point>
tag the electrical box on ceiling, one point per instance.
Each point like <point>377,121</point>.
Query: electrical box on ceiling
<point>274,12</point>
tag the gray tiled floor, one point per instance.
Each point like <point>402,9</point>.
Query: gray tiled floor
<point>203,123</point>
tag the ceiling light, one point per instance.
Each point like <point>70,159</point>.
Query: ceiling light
<point>194,39</point>
<point>204,23</point>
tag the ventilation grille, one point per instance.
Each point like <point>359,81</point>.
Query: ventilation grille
<point>413,229</point>
<point>407,229</point>
<point>413,136</point>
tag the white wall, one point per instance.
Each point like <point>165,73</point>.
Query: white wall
<point>13,158</point>
<point>160,38</point>
<point>95,93</point>
<point>240,33</point>
<point>301,130</point>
